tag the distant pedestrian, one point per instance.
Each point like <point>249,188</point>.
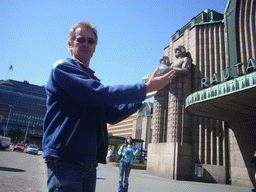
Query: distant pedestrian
<point>127,151</point>
<point>109,155</point>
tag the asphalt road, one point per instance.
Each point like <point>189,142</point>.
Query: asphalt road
<point>25,172</point>
<point>20,171</point>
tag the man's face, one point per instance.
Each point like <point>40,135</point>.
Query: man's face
<point>83,50</point>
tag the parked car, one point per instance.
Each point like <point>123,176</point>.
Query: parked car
<point>33,149</point>
<point>4,142</point>
<point>19,147</point>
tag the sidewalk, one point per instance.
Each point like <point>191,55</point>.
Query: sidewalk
<point>139,180</point>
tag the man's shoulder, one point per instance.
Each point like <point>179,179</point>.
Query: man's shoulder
<point>61,61</point>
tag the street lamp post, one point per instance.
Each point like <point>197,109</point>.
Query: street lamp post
<point>27,131</point>
<point>6,128</point>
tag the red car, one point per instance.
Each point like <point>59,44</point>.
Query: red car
<point>18,146</point>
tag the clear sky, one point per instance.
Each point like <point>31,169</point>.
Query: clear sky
<point>132,35</point>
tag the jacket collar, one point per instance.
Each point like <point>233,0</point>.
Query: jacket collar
<point>87,69</point>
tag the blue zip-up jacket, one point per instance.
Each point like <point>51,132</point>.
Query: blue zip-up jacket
<point>129,157</point>
<point>78,109</point>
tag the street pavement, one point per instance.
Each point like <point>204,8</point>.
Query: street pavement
<point>22,172</point>
<point>139,180</point>
<point>32,176</point>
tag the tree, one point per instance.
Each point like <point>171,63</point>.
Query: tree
<point>16,135</point>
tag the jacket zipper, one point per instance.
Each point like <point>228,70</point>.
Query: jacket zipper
<point>71,135</point>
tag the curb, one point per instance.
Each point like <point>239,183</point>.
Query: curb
<point>115,164</point>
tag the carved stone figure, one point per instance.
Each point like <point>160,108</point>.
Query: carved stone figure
<point>164,65</point>
<point>182,63</point>
<point>164,60</point>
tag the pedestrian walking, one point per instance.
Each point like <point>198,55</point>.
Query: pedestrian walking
<point>109,155</point>
<point>127,151</point>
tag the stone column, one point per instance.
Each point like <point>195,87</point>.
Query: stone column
<point>178,126</point>
<point>160,108</point>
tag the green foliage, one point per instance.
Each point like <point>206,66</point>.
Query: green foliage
<point>143,164</point>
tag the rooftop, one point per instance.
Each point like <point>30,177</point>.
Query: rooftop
<point>205,17</point>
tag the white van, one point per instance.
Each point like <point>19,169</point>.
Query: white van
<point>5,142</point>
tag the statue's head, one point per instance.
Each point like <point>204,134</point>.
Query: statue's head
<point>146,78</point>
<point>164,60</point>
<point>180,51</point>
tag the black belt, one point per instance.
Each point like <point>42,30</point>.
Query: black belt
<point>87,165</point>
<point>126,163</point>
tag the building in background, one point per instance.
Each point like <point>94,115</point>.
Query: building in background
<point>22,109</point>
<point>138,125</point>
<point>204,120</point>
<point>142,125</point>
<point>123,128</point>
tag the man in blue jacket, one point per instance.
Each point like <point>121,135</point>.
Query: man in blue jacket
<point>75,135</point>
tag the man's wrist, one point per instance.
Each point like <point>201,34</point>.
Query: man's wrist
<point>147,88</point>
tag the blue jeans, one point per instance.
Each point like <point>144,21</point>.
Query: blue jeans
<point>68,176</point>
<point>123,170</point>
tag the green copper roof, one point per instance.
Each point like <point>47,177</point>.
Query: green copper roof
<point>206,17</point>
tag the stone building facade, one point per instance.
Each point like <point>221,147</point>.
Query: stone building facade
<point>197,140</point>
<point>175,134</point>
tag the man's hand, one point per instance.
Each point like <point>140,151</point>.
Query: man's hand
<point>156,83</point>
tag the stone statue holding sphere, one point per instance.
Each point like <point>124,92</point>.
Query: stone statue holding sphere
<point>181,64</point>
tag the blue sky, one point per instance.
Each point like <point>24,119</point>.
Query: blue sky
<point>132,35</point>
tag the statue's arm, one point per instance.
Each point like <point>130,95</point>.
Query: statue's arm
<point>186,63</point>
<point>180,70</point>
